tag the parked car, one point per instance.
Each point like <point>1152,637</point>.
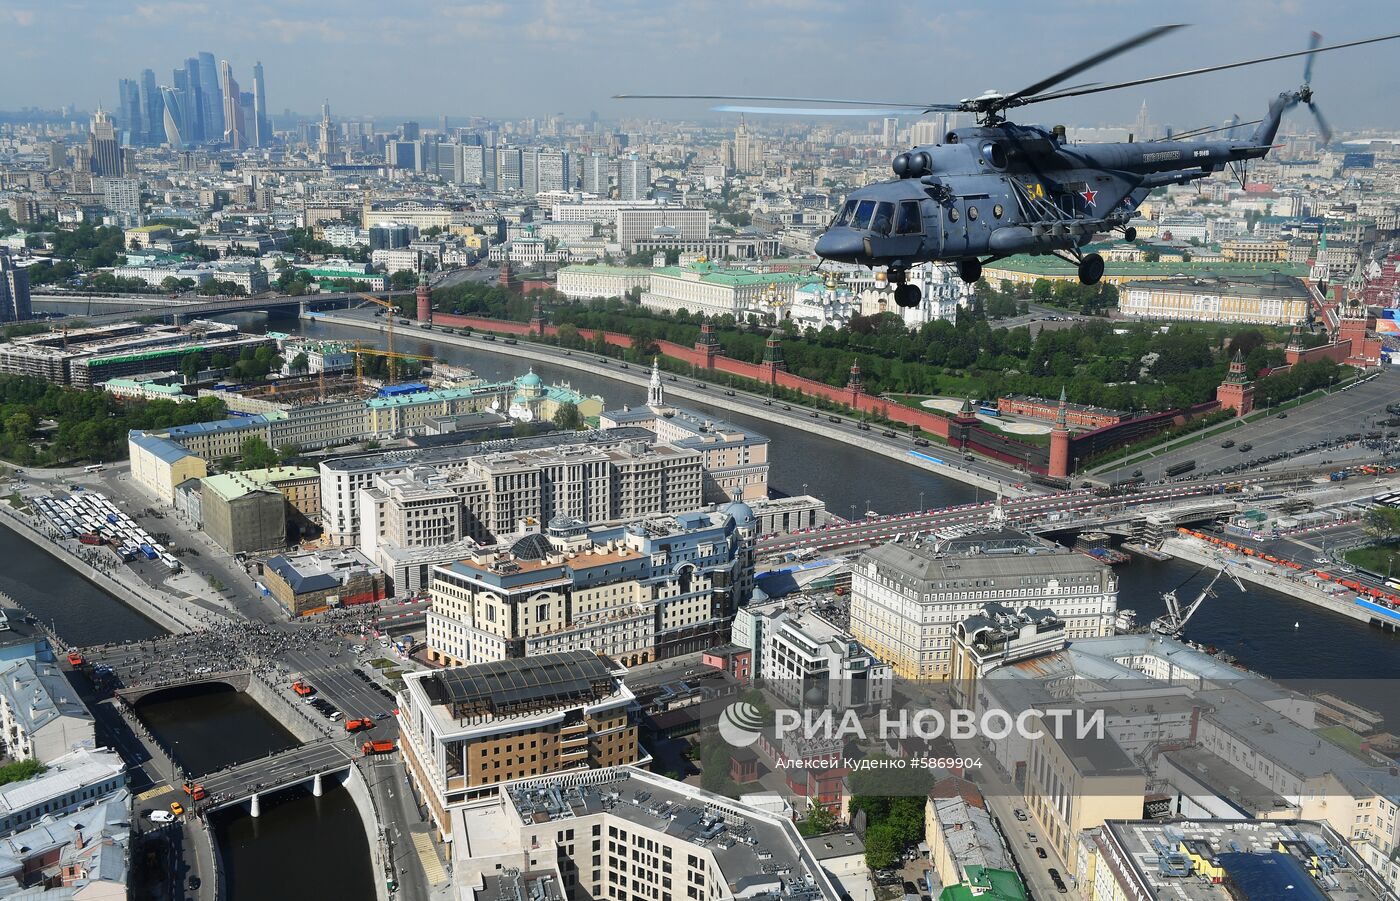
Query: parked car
<point>1040,852</point>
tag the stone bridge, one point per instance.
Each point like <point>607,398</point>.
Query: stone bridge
<point>235,679</point>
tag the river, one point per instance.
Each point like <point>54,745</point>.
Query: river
<point>301,846</point>
<point>78,610</point>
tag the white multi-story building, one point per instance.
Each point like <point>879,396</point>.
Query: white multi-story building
<point>624,834</point>
<point>74,780</point>
<point>907,596</point>
<point>41,717</point>
<point>808,661</point>
<point>344,235</point>
<point>597,209</point>
<point>1272,299</point>
<point>716,291</point>
<point>588,476</point>
<point>633,179</point>
<point>638,224</point>
<point>588,282</point>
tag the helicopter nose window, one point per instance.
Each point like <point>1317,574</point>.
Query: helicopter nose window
<point>844,217</point>
<point>909,221</point>
<point>864,211</point>
<point>884,216</point>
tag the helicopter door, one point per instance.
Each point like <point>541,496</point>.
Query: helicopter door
<point>906,230</point>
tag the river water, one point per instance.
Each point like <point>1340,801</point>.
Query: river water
<point>78,610</point>
<point>301,846</point>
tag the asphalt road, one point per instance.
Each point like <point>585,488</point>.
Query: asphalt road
<point>330,672</point>
<point>1352,409</point>
<point>282,769</point>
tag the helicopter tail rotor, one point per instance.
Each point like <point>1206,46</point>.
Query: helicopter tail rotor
<point>1305,93</point>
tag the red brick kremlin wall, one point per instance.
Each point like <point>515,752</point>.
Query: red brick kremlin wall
<point>929,421</point>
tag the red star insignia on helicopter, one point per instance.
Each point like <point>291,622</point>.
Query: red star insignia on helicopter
<point>1088,194</point>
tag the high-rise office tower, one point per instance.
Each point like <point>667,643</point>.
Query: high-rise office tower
<point>194,101</point>
<point>14,290</point>
<point>129,109</point>
<point>152,116</point>
<point>262,125</point>
<point>890,131</point>
<point>213,97</point>
<point>104,153</point>
<point>234,134</point>
<point>508,169</point>
<point>633,179</point>
<point>58,155</point>
<point>409,131</point>
<point>595,174</point>
<point>173,116</point>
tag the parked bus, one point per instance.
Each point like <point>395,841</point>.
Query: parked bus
<point>96,467</point>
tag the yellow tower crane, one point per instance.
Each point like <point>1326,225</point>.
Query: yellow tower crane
<point>391,311</point>
<point>361,352</point>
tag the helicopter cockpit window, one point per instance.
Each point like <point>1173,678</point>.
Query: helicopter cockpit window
<point>863,212</point>
<point>844,217</point>
<point>884,217</point>
<point>909,221</point>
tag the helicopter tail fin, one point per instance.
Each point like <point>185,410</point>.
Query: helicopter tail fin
<point>1268,127</point>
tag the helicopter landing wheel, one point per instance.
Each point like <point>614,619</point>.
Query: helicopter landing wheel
<point>1090,269</point>
<point>1130,234</point>
<point>907,295</point>
<point>969,270</point>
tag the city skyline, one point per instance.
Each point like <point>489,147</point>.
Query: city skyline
<point>578,60</point>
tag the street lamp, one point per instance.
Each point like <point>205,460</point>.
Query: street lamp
<point>921,502</point>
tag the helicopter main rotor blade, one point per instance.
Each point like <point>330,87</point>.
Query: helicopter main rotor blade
<point>1077,92</point>
<point>1323,128</point>
<point>1206,130</point>
<point>817,110</point>
<point>1147,36</point>
<point>743,97</point>
<point>1313,40</point>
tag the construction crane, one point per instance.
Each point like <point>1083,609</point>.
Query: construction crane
<point>1174,620</point>
<point>361,352</point>
<point>392,311</point>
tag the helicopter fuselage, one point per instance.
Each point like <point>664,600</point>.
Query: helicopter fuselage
<point>1001,189</point>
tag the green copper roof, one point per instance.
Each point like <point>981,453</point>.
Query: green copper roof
<point>711,272</point>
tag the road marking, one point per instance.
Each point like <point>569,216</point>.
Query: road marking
<point>427,856</point>
<point>156,792</point>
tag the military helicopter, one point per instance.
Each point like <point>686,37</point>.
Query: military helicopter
<point>999,189</point>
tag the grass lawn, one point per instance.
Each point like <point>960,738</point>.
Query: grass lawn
<point>1382,559</point>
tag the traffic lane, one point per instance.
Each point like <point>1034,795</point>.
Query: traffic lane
<point>268,771</point>
<point>334,680</point>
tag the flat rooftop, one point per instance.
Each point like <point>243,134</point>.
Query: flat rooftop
<point>1145,840</point>
<point>760,855</point>
<point>394,459</point>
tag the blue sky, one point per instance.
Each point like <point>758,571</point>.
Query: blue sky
<point>536,57</point>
